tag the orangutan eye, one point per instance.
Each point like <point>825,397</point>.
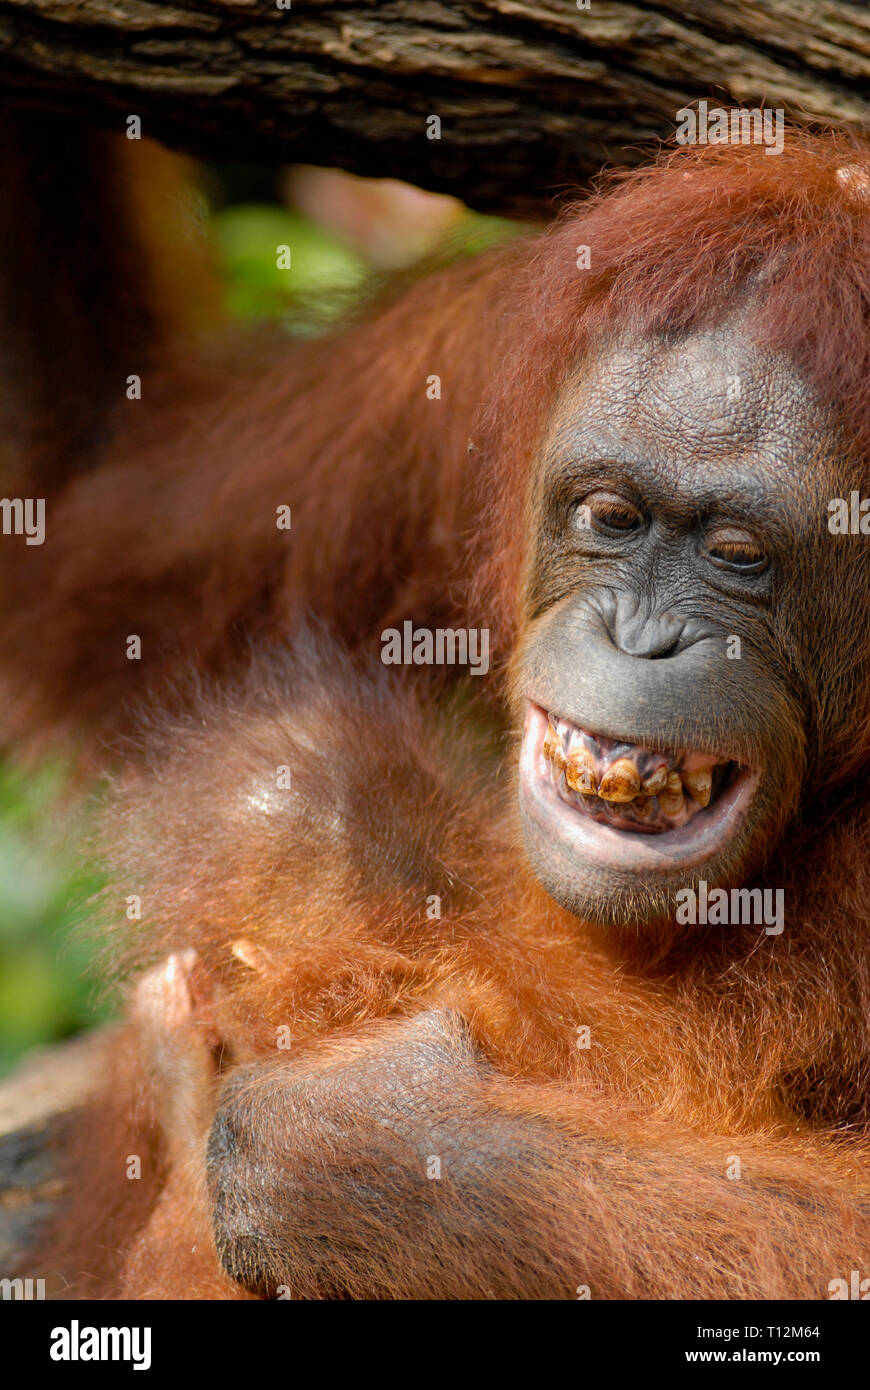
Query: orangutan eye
<point>730,547</point>
<point>608,513</point>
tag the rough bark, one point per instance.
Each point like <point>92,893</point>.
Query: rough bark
<point>533,95</point>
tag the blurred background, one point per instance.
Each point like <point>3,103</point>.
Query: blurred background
<point>346,234</point>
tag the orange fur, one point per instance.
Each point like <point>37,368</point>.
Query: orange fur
<point>307,908</point>
<point>171,533</point>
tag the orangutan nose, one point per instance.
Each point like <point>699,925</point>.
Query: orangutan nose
<point>638,631</point>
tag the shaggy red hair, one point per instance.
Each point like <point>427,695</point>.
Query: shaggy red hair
<point>308,910</point>
<point>405,507</point>
<point>674,246</point>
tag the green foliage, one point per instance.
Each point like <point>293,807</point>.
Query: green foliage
<point>477,233</point>
<point>325,277</point>
<point>45,988</point>
<point>323,274</point>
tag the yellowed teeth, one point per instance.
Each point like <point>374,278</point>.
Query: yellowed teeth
<point>621,782</point>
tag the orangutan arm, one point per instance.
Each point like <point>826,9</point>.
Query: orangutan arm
<point>397,1164</point>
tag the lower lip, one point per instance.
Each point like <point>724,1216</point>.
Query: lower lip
<point>686,847</point>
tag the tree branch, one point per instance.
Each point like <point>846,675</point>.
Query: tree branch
<point>533,95</point>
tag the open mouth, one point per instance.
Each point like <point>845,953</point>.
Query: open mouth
<point>629,787</point>
<point>628,805</point>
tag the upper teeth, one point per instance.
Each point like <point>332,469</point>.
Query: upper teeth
<point>580,773</point>
<point>655,782</point>
<point>699,784</point>
<point>622,780</point>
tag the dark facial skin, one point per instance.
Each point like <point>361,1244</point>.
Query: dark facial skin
<point>706,466</point>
